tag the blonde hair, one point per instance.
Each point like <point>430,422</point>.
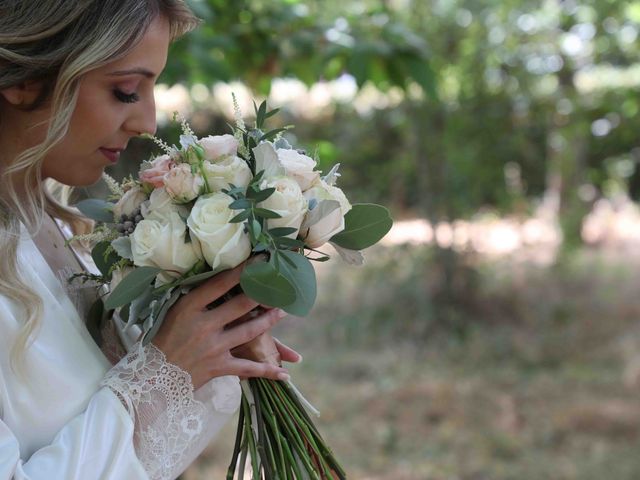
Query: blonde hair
<point>56,42</point>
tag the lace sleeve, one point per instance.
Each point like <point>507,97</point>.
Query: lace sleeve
<point>172,423</point>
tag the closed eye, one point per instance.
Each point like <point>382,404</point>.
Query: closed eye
<point>126,97</point>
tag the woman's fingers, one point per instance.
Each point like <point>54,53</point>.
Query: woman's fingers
<point>249,330</point>
<point>237,308</point>
<point>248,368</point>
<point>287,354</point>
<point>215,287</point>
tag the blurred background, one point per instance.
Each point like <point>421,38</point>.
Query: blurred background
<point>494,333</point>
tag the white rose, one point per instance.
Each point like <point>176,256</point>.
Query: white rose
<point>160,206</point>
<point>229,170</point>
<point>326,219</point>
<point>224,245</point>
<point>162,244</point>
<point>321,190</point>
<point>218,146</point>
<point>287,201</point>
<point>131,200</point>
<point>299,166</point>
<point>183,185</point>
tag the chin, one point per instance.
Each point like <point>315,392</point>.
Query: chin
<point>80,178</point>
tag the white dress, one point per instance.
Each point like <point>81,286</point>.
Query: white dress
<point>75,416</point>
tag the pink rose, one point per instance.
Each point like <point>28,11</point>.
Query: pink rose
<point>154,175</point>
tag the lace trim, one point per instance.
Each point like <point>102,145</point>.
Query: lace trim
<point>159,397</point>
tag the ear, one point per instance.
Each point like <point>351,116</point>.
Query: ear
<point>23,94</point>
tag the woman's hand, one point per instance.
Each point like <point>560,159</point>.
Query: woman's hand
<point>196,340</point>
<point>287,354</point>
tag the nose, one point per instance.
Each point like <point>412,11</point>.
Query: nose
<point>142,118</point>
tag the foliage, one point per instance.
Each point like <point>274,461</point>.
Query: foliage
<point>257,40</point>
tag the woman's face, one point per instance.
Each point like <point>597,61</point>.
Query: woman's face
<point>115,103</point>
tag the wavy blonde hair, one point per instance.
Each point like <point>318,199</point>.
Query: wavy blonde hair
<point>56,42</point>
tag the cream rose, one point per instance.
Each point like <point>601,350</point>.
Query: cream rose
<point>155,173</point>
<point>287,201</point>
<point>130,201</point>
<point>182,185</point>
<point>229,170</point>
<point>299,166</point>
<point>224,245</point>
<point>160,206</point>
<point>327,218</point>
<point>219,146</point>
<point>162,244</point>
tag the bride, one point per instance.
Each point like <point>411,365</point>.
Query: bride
<point>76,83</point>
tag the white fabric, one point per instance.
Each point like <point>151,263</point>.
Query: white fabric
<point>59,423</point>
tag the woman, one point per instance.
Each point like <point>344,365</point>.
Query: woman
<point>76,83</point>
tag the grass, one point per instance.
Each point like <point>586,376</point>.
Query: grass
<point>542,380</point>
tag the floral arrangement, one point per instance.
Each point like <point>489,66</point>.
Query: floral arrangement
<point>206,206</point>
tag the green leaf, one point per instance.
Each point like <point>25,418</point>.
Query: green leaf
<point>271,134</point>
<point>421,72</point>
<point>139,304</point>
<point>195,279</point>
<point>271,113</point>
<point>94,321</point>
<point>131,287</point>
<point>255,230</point>
<point>282,231</point>
<point>264,213</point>
<point>104,264</point>
<point>96,209</point>
<point>261,114</point>
<point>260,196</point>
<point>240,204</point>
<point>241,217</point>
<point>262,282</point>
<point>365,225</point>
<point>122,246</point>
<point>288,242</point>
<point>303,279</point>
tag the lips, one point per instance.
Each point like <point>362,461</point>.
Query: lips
<point>112,154</point>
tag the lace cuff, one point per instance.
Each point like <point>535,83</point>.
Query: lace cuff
<point>169,420</point>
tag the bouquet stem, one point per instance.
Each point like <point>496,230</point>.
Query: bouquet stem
<point>274,429</point>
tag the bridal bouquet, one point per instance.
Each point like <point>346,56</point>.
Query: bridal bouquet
<point>206,206</point>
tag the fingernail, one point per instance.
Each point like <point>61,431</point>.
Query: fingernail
<point>299,360</point>
<point>284,377</point>
<point>281,313</point>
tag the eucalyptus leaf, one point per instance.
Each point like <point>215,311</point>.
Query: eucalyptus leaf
<point>139,305</point>
<point>352,257</point>
<point>131,287</point>
<point>197,279</point>
<point>365,225</point>
<point>264,284</point>
<point>303,279</point>
<point>96,209</point>
<point>264,213</point>
<point>261,195</point>
<point>162,307</point>
<point>122,246</point>
<point>240,204</point>
<point>282,231</point>
<point>241,217</point>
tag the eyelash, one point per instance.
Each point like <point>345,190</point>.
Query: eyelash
<point>126,97</point>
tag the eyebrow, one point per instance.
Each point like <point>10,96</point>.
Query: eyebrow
<point>133,71</point>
